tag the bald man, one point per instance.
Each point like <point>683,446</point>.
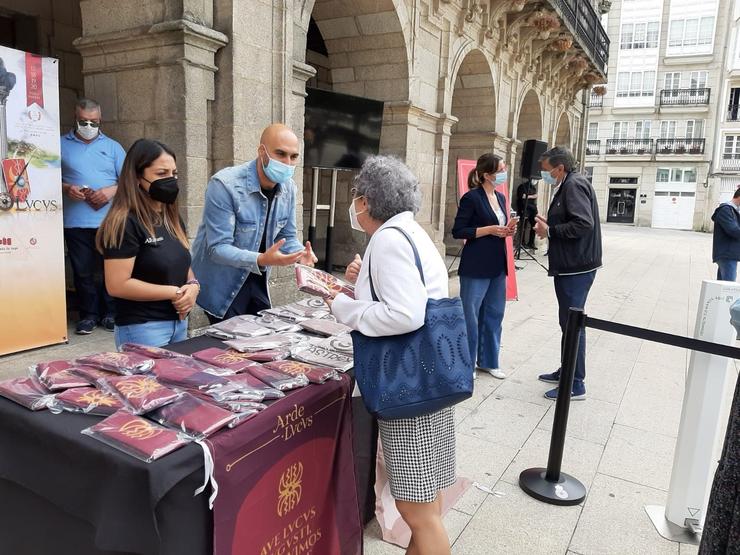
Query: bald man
<point>249,226</point>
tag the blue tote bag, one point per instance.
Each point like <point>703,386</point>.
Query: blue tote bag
<point>420,372</point>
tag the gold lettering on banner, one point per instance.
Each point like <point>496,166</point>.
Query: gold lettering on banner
<point>290,488</point>
<point>139,429</point>
<point>298,537</point>
<point>236,461</point>
<point>98,398</point>
<point>293,422</point>
<point>230,357</point>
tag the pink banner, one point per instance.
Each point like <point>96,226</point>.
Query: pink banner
<point>34,80</point>
<point>464,167</point>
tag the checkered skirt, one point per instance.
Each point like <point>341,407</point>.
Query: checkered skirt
<point>419,455</point>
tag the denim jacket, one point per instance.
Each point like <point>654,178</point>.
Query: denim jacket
<point>226,247</point>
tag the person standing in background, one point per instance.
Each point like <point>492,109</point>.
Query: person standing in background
<point>91,166</point>
<point>526,208</point>
<point>483,222</point>
<point>726,238</point>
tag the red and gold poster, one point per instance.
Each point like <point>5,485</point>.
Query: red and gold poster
<point>33,307</point>
<point>286,481</point>
<point>464,167</point>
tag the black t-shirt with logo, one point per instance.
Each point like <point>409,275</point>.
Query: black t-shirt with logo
<point>161,259</point>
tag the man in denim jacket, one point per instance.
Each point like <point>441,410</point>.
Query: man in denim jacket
<point>249,225</point>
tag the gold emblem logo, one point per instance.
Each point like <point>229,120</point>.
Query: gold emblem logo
<point>290,488</point>
<point>139,429</point>
<point>231,357</point>
<point>293,368</point>
<point>98,398</point>
<point>138,387</point>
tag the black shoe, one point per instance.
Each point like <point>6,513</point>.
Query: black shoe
<point>109,324</point>
<point>554,377</point>
<point>85,327</point>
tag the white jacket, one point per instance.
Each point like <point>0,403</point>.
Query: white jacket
<point>403,296</point>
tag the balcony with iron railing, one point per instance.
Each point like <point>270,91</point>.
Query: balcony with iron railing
<point>731,162</point>
<point>629,146</point>
<point>585,24</point>
<point>685,97</point>
<point>593,148</point>
<point>680,146</point>
<point>596,101</point>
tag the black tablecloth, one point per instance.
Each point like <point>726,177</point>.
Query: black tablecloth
<point>62,492</point>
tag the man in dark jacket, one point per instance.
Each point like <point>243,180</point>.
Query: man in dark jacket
<point>526,208</point>
<point>726,241</point>
<point>574,233</point>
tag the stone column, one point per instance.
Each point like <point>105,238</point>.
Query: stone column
<point>152,70</point>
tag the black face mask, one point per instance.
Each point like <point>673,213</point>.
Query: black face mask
<point>163,190</point>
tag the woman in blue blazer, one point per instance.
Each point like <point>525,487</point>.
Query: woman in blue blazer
<point>484,224</point>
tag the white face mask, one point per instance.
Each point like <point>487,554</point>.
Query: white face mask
<point>86,132</point>
<point>353,221</point>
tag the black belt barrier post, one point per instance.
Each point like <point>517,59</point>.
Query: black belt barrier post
<point>550,484</point>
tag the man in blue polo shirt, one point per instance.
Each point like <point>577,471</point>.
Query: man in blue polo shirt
<point>91,165</point>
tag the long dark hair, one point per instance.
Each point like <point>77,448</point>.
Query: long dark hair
<point>488,163</point>
<point>130,198</point>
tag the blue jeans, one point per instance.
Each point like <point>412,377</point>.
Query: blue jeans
<point>572,291</point>
<point>726,269</point>
<point>87,269</point>
<point>484,302</point>
<point>156,333</point>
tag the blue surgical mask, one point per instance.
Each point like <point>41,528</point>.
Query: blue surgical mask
<point>276,171</point>
<point>501,178</point>
<point>548,178</point>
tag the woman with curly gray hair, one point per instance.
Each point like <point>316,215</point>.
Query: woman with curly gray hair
<point>419,452</point>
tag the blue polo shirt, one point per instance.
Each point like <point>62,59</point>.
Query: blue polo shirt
<point>97,164</point>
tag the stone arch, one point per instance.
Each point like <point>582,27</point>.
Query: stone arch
<point>473,105</point>
<point>563,132</point>
<point>529,120</point>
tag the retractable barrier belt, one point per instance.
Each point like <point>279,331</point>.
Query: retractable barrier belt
<point>665,338</point>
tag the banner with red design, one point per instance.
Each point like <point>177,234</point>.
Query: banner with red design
<point>32,307</point>
<point>286,478</point>
<point>464,167</point>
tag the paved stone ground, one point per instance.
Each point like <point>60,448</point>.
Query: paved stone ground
<point>620,441</point>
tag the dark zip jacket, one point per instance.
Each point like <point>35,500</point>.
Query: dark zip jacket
<point>574,228</point>
<point>726,240</point>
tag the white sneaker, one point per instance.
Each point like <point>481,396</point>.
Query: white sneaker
<point>495,372</point>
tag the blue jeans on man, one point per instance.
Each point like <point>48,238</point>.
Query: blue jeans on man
<point>572,292</point>
<point>726,269</point>
<point>87,269</point>
<point>484,302</point>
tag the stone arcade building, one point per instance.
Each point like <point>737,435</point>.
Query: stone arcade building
<point>458,77</point>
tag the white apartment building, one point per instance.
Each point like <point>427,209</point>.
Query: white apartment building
<point>653,136</point>
<point>726,160</point>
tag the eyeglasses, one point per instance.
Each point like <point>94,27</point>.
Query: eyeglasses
<point>88,123</point>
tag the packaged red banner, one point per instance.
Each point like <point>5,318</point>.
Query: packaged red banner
<point>91,374</point>
<point>321,284</point>
<point>241,326</point>
<point>150,352</point>
<point>274,323</point>
<point>243,416</point>
<point>315,374</point>
<point>140,394</point>
<point>176,374</point>
<point>192,416</point>
<point>231,359</point>
<point>57,375</point>
<point>136,436</point>
<point>240,406</point>
<point>28,392</point>
<point>325,327</point>
<point>88,400</point>
<point>269,354</point>
<point>330,351</point>
<point>120,363</point>
<point>248,384</point>
<point>277,379</point>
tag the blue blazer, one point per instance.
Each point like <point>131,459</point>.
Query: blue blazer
<point>482,257</point>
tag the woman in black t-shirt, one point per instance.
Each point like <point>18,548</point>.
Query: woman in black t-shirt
<point>146,250</point>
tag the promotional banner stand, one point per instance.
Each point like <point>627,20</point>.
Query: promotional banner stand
<point>5,200</point>
<point>682,518</point>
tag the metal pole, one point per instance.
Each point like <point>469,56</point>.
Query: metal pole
<point>314,203</point>
<point>550,485</point>
<point>330,227</point>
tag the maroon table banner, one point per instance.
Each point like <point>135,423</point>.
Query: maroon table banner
<point>286,478</point>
